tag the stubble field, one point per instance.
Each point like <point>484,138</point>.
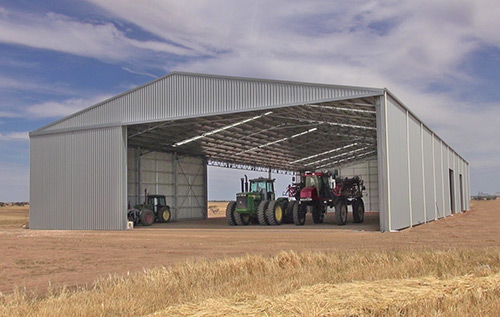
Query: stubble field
<point>448,267</point>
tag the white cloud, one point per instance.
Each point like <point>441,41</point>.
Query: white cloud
<point>61,33</point>
<point>56,109</point>
<point>14,136</point>
<point>139,72</point>
<point>7,114</point>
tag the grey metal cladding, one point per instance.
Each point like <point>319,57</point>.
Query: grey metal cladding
<point>439,185</point>
<point>182,95</point>
<point>399,195</point>
<point>77,180</point>
<point>419,164</point>
<point>416,180</point>
<point>430,206</point>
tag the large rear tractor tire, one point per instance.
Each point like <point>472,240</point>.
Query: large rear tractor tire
<point>261,213</point>
<point>288,218</point>
<point>358,210</point>
<point>241,219</point>
<point>317,214</point>
<point>230,210</point>
<point>341,213</point>
<point>164,214</point>
<point>299,214</point>
<point>147,217</point>
<point>284,208</point>
<point>274,213</point>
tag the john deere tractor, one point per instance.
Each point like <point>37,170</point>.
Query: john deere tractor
<point>256,203</point>
<point>155,208</point>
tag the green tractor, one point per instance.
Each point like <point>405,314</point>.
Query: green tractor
<point>155,208</point>
<point>256,203</point>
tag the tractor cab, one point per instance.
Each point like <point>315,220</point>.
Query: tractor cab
<point>263,186</point>
<point>317,186</point>
<point>156,202</point>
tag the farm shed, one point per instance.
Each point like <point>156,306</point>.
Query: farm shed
<point>86,168</point>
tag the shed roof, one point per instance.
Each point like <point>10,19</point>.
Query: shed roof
<point>186,95</point>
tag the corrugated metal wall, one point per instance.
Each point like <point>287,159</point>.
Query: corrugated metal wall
<point>181,95</point>
<point>419,166</point>
<point>182,179</point>
<point>78,180</point>
<point>368,171</point>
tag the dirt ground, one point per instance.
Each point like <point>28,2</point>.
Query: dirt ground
<point>33,259</point>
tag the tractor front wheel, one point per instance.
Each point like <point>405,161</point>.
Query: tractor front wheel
<point>358,210</point>
<point>341,213</point>
<point>274,213</point>
<point>164,214</point>
<point>230,209</point>
<point>299,214</point>
<point>241,219</point>
<point>147,217</point>
<point>261,213</point>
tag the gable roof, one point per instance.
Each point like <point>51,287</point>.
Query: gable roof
<point>180,95</point>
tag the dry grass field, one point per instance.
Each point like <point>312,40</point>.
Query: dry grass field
<point>217,209</point>
<point>13,216</point>
<point>449,267</point>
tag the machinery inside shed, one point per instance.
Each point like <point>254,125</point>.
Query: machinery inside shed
<point>171,157</point>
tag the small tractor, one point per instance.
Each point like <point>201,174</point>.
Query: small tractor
<point>256,203</point>
<point>155,208</point>
<point>321,190</point>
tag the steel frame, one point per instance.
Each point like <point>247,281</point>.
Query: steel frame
<point>288,139</point>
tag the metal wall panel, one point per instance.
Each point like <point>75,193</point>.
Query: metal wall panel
<point>430,190</point>
<point>191,193</point>
<point>419,189</point>
<point>446,178</point>
<point>368,171</point>
<point>438,177</point>
<point>77,180</point>
<point>182,179</point>
<point>399,177</point>
<point>180,95</point>
<point>416,171</point>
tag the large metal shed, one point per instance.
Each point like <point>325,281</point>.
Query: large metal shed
<point>86,168</point>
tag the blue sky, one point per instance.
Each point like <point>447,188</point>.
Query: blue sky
<point>442,58</point>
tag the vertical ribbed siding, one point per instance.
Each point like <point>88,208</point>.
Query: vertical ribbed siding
<point>184,95</point>
<point>438,178</point>
<point>419,176</point>
<point>399,195</point>
<point>77,180</point>
<point>417,192</point>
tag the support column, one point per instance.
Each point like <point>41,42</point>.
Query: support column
<point>174,181</point>
<point>383,164</point>
<point>205,185</point>
<point>138,176</point>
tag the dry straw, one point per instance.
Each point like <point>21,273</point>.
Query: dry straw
<point>412,283</point>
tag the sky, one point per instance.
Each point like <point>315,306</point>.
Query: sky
<point>442,58</point>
